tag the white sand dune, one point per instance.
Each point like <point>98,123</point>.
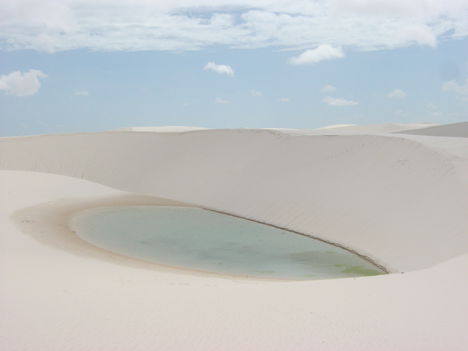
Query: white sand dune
<point>447,130</point>
<point>400,199</point>
<point>371,128</point>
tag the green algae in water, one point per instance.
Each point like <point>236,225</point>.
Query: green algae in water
<point>359,270</point>
<point>198,239</point>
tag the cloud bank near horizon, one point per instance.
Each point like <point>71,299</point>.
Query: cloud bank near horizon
<point>183,25</point>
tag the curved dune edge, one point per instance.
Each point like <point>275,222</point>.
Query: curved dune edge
<point>369,259</point>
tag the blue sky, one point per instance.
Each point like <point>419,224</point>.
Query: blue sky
<point>89,85</point>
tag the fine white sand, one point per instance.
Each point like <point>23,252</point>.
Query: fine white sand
<point>400,199</point>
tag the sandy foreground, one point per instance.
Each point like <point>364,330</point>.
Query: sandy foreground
<point>399,198</point>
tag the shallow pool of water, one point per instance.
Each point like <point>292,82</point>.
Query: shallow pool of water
<point>203,240</point>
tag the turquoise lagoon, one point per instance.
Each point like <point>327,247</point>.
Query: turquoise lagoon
<point>198,239</point>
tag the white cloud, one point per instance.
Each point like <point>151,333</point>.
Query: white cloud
<point>419,34</point>
<point>322,53</point>
<point>221,69</point>
<point>328,89</point>
<point>221,101</point>
<point>256,93</point>
<point>284,99</point>
<point>180,25</point>
<point>396,94</point>
<point>81,93</point>
<point>22,84</point>
<point>338,102</point>
<point>460,89</point>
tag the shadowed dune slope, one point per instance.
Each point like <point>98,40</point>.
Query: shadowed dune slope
<point>370,128</point>
<point>447,130</point>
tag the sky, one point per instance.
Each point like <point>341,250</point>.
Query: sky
<point>83,66</point>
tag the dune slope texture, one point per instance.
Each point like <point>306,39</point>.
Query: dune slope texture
<point>400,199</point>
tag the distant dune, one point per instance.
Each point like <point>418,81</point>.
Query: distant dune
<point>371,128</point>
<point>168,129</point>
<point>449,130</point>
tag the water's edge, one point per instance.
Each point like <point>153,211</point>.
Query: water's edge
<point>364,257</point>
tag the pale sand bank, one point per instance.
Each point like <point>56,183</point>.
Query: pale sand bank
<point>400,199</point>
